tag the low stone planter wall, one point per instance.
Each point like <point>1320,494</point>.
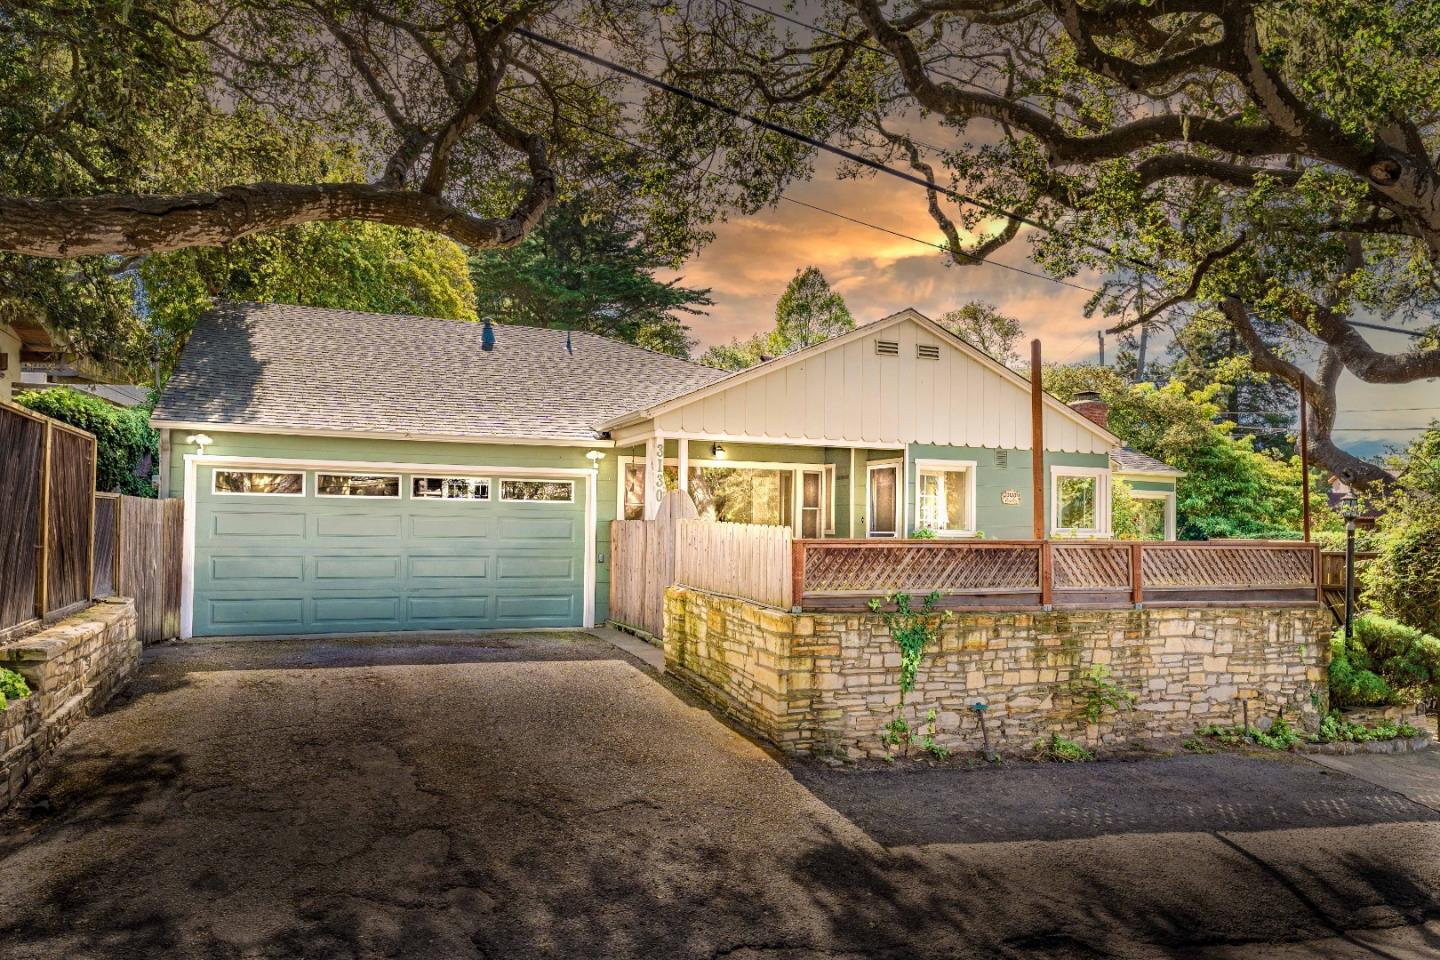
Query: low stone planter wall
<point>828,683</point>
<point>73,668</point>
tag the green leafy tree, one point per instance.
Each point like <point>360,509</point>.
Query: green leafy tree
<point>587,268</point>
<point>1272,161</point>
<point>984,326</point>
<point>347,265</point>
<point>127,448</point>
<point>808,312</point>
<point>1230,490</point>
<point>738,354</point>
<point>1404,580</point>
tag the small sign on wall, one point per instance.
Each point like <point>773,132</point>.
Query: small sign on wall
<point>1011,498</point>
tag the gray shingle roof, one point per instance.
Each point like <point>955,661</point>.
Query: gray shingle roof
<point>1126,460</point>
<point>274,366</point>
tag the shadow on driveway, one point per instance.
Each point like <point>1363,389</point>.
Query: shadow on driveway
<point>1035,801</point>
<point>539,796</point>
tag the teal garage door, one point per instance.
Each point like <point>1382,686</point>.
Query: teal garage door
<point>288,551</point>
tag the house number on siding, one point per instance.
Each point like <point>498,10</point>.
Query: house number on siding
<point>1010,498</point>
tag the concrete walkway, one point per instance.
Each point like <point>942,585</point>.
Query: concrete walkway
<point>548,796</point>
<point>647,653</point>
<point>1415,775</point>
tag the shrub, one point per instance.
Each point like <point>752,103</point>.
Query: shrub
<point>127,447</point>
<point>1335,728</point>
<point>1060,749</point>
<point>12,686</point>
<point>1384,663</point>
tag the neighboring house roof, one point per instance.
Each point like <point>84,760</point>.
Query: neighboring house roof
<point>279,368</point>
<point>1125,460</point>
<point>119,394</point>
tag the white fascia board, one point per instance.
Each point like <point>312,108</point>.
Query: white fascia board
<point>367,435</point>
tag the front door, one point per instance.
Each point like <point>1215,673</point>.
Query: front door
<point>883,512</point>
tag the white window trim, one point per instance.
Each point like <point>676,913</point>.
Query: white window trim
<point>489,489</point>
<point>500,492</point>
<point>399,487</point>
<point>1169,497</point>
<point>215,491</point>
<point>970,467</point>
<point>898,465</point>
<point>795,482</point>
<point>828,498</point>
<point>797,497</point>
<point>1102,502</point>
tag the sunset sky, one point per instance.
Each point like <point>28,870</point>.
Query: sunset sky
<point>752,258</point>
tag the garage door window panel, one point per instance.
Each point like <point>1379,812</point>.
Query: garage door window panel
<point>259,483</point>
<point>449,488</point>
<point>537,491</point>
<point>357,485</point>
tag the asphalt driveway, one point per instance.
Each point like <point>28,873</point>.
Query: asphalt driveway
<point>545,795</point>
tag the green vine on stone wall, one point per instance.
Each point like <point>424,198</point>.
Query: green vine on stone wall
<point>913,631</point>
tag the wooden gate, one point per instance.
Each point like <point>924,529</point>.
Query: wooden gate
<point>642,565</point>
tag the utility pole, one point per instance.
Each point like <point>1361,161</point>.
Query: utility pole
<point>1144,327</point>
<point>1100,335</point>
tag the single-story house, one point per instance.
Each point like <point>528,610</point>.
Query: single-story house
<point>348,472</point>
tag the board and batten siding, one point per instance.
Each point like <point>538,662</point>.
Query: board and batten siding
<point>852,395</point>
<point>520,456</point>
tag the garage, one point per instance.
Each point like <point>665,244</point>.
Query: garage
<point>294,549</point>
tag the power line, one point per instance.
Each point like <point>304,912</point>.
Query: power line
<point>981,261</point>
<point>808,140</point>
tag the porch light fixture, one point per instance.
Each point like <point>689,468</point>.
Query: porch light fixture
<point>717,450</point>
<point>595,456</point>
<point>200,440</point>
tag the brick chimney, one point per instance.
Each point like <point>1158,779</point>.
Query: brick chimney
<point>1089,405</point>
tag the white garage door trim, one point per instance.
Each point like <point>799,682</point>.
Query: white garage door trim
<point>194,460</point>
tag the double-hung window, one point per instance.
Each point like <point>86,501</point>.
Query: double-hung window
<point>1080,501</point>
<point>945,497</point>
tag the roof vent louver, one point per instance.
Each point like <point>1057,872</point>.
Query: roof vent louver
<point>887,348</point>
<point>927,351</point>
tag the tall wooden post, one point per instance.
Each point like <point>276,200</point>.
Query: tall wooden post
<point>1037,444</point>
<point>1304,462</point>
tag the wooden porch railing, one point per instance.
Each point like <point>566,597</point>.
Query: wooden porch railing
<point>992,574</point>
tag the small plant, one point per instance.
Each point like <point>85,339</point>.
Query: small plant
<point>1197,744</point>
<point>1336,729</point>
<point>12,686</point>
<point>923,533</point>
<point>897,732</point>
<point>1280,736</point>
<point>928,742</point>
<point>1060,749</point>
<point>1099,692</point>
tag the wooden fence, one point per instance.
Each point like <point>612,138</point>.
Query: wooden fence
<point>138,555</point>
<point>980,574</point>
<point>739,559</point>
<point>47,478</point>
<point>642,565</point>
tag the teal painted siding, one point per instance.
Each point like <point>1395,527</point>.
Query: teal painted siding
<point>1165,486</point>
<point>234,444</point>
<point>840,459</point>
<point>998,520</point>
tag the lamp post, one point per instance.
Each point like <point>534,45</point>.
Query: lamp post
<point>1347,510</point>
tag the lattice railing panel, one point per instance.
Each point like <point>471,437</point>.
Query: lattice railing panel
<point>1219,566</point>
<point>916,568</point>
<point>1090,566</point>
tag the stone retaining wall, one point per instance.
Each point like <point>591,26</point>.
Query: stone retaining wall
<point>73,668</point>
<point>829,683</point>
